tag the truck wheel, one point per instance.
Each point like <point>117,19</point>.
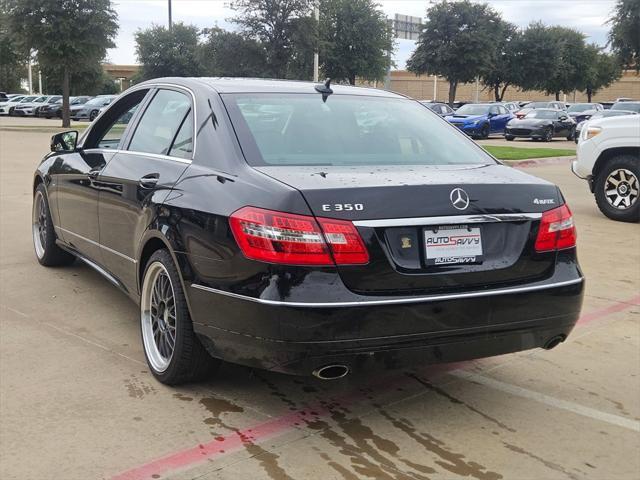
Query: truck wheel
<point>617,188</point>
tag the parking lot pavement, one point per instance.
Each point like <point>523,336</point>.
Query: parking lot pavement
<point>78,402</point>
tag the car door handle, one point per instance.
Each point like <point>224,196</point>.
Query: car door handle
<point>149,181</point>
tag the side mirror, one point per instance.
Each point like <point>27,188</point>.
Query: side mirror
<point>64,141</point>
<point>563,117</point>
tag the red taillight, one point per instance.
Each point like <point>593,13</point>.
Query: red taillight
<point>557,230</point>
<point>293,239</point>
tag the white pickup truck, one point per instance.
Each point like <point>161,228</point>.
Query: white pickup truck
<point>609,159</point>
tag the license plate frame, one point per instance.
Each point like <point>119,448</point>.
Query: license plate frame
<point>452,245</point>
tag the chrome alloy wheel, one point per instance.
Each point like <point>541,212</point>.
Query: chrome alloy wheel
<point>621,189</point>
<point>158,316</point>
<point>39,224</point>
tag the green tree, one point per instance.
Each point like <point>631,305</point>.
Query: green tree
<point>535,56</point>
<point>229,54</point>
<point>457,42</point>
<point>355,40</point>
<point>304,41</point>
<point>12,59</point>
<point>91,81</point>
<point>602,70</point>
<point>273,24</point>
<point>624,36</point>
<point>502,69</point>
<point>67,34</point>
<point>570,62</point>
<point>168,53</point>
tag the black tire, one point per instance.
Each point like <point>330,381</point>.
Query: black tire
<point>93,115</point>
<point>47,251</point>
<point>509,138</point>
<point>628,163</point>
<point>485,131</point>
<point>188,361</point>
<point>572,134</point>
<point>548,134</point>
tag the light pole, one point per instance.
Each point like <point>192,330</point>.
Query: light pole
<point>316,59</point>
<point>30,75</point>
<point>170,21</point>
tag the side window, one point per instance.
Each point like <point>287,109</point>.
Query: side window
<point>113,135</point>
<point>112,125</point>
<point>160,123</point>
<point>494,110</point>
<point>183,143</point>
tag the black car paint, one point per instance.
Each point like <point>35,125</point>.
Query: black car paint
<point>293,318</point>
<point>563,126</point>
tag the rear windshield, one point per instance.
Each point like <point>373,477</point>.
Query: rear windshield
<point>473,110</point>
<point>539,105</point>
<point>629,106</point>
<point>581,107</point>
<point>346,130</point>
<point>542,114</point>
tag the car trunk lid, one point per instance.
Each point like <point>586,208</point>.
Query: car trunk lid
<point>400,210</point>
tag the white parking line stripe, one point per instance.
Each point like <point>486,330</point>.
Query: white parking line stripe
<point>551,401</point>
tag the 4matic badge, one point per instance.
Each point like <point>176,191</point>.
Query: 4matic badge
<point>544,201</point>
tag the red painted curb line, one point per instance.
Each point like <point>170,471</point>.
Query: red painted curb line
<point>259,433</point>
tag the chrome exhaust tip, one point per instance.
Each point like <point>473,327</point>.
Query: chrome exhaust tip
<point>554,342</point>
<point>331,372</point>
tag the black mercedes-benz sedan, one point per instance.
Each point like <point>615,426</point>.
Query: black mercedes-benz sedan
<point>306,229</point>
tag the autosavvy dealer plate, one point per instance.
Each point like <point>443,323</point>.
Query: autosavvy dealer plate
<point>448,245</point>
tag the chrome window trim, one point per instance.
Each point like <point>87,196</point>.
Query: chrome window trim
<point>148,86</point>
<point>193,108</point>
<point>97,244</point>
<point>144,154</point>
<point>448,220</point>
<point>393,301</point>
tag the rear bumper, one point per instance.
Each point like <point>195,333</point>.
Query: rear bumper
<point>298,339</point>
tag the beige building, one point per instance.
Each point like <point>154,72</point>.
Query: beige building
<point>421,88</point>
<point>122,74</point>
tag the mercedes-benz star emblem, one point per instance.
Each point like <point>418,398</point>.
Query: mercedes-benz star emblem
<point>459,198</point>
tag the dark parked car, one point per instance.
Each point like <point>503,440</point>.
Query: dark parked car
<point>479,120</point>
<point>91,109</point>
<point>55,109</point>
<point>541,124</point>
<point>601,114</point>
<point>441,109</point>
<point>535,105</point>
<point>583,111</point>
<point>266,223</point>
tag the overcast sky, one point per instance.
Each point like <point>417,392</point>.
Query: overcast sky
<point>588,16</point>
